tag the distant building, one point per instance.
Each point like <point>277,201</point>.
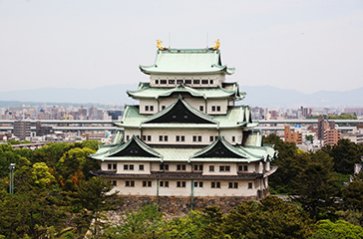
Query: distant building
<point>42,130</point>
<point>291,136</point>
<point>323,125</point>
<point>331,137</point>
<point>22,129</point>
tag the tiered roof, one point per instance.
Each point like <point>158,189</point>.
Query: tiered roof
<point>237,116</point>
<point>219,151</point>
<point>187,61</point>
<point>145,91</point>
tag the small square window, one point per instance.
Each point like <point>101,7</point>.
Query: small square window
<point>164,167</point>
<point>146,184</point>
<point>162,82</point>
<point>233,139</point>
<point>180,184</point>
<point>129,183</point>
<point>216,185</point>
<point>114,183</point>
<point>196,82</point>
<point>218,108</point>
<point>213,108</point>
<point>182,138</point>
<point>160,138</point>
<point>164,184</point>
<point>188,82</point>
<point>151,108</point>
<point>141,167</point>
<point>177,138</point>
<point>211,168</point>
<point>201,108</point>
<point>162,107</point>
<point>171,82</point>
<point>205,82</point>
<point>149,138</point>
<point>179,82</point>
<point>211,82</point>
<point>211,138</point>
<point>232,185</point>
<point>199,138</point>
<point>146,108</point>
<point>194,138</point>
<point>156,82</point>
<point>165,138</point>
<point>250,185</point>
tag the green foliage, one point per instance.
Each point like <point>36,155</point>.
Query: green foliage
<point>290,163</point>
<point>272,218</point>
<point>345,155</point>
<point>338,230</point>
<point>317,186</point>
<point>75,166</point>
<point>353,194</point>
<point>41,175</point>
<point>144,223</point>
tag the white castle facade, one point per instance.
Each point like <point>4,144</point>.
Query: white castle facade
<point>189,136</point>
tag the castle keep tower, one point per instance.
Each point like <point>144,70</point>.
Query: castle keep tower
<point>188,136</point>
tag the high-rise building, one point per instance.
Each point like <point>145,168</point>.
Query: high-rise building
<point>291,136</point>
<point>22,129</point>
<point>331,137</point>
<point>187,137</point>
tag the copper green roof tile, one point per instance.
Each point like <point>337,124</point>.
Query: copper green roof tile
<point>220,148</point>
<point>145,91</point>
<point>234,118</point>
<point>180,112</point>
<point>133,148</point>
<point>187,61</point>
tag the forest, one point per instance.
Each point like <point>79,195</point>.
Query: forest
<point>56,196</point>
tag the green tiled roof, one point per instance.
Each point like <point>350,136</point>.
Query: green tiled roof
<point>247,153</point>
<point>236,117</point>
<point>187,61</point>
<point>145,91</point>
<point>110,150</point>
<point>204,117</point>
<point>177,154</point>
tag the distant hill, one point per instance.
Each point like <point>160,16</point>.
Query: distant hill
<point>275,97</point>
<point>264,96</point>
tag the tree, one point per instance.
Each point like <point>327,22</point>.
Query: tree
<point>289,163</point>
<point>143,223</point>
<point>353,194</point>
<point>345,155</point>
<point>317,185</point>
<point>270,218</point>
<point>75,166</point>
<point>41,175</point>
<point>338,230</point>
<point>91,199</point>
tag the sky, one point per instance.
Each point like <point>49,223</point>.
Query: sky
<point>305,45</point>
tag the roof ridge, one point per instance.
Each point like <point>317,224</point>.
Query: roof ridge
<point>190,108</point>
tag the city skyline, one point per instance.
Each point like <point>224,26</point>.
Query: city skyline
<point>301,45</point>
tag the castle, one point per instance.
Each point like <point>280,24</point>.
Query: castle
<point>188,137</point>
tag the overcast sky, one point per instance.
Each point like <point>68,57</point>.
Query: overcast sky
<point>293,44</point>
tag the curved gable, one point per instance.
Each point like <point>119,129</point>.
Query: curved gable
<point>180,112</point>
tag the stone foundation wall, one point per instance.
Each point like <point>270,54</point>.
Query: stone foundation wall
<point>181,205</point>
